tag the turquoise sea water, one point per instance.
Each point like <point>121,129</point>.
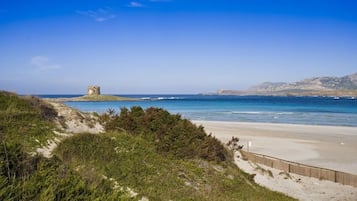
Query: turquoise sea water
<point>340,111</point>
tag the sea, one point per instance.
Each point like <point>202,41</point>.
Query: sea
<point>334,111</point>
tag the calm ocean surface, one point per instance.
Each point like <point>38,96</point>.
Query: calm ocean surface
<point>293,110</point>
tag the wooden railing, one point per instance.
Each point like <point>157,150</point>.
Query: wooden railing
<point>302,169</point>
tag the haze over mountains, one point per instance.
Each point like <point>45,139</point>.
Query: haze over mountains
<point>330,86</point>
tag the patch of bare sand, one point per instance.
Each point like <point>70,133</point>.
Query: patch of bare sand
<point>70,122</point>
<point>74,121</point>
<point>324,146</point>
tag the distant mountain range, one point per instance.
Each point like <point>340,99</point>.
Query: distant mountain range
<point>322,86</point>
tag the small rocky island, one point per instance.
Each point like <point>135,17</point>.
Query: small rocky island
<point>93,94</point>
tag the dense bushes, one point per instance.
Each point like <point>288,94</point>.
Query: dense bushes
<point>171,134</point>
<point>26,123</point>
<point>10,103</point>
<point>130,161</point>
<point>25,120</point>
<point>25,177</point>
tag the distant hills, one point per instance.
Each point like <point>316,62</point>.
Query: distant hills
<point>321,86</point>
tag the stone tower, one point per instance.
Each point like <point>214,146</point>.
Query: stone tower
<point>93,90</point>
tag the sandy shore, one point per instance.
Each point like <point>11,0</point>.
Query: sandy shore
<point>324,146</point>
<point>331,147</point>
<point>300,187</point>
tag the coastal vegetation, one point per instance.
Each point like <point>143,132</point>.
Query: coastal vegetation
<point>143,154</point>
<point>25,124</point>
<point>171,135</point>
<point>27,121</point>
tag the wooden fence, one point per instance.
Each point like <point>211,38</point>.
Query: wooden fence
<point>302,169</point>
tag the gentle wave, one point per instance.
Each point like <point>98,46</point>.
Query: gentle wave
<point>161,98</point>
<point>261,112</point>
<point>296,110</point>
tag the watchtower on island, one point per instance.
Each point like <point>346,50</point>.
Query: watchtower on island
<point>93,90</point>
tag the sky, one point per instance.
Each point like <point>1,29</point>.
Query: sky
<point>172,46</point>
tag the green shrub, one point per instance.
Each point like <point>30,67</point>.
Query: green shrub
<point>132,161</point>
<point>171,134</point>
<point>25,120</point>
<point>25,177</point>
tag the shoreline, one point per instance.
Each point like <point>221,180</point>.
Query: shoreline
<point>331,147</point>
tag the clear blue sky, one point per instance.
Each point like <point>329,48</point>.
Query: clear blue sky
<point>172,46</point>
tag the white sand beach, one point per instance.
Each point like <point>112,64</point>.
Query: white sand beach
<point>330,147</point>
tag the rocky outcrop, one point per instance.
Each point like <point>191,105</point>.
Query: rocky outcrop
<point>93,91</point>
